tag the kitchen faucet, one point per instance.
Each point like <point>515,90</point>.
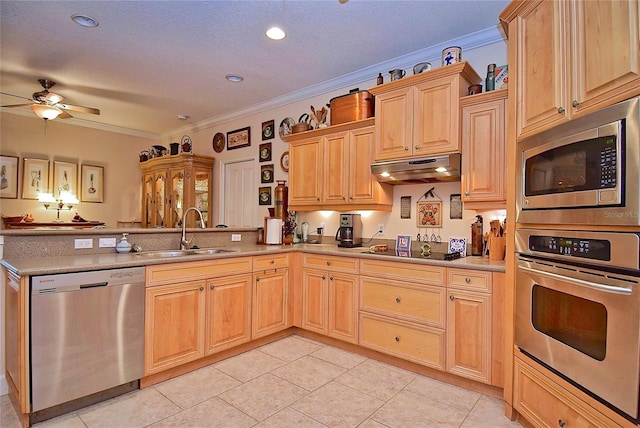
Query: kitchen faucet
<point>184,243</point>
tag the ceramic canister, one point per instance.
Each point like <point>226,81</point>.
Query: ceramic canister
<point>451,55</point>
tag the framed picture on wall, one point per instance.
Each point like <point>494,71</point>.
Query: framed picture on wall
<point>265,152</point>
<point>92,183</point>
<point>239,138</point>
<point>35,178</point>
<point>429,214</point>
<point>266,173</point>
<point>268,130</point>
<point>65,178</point>
<point>264,195</point>
<point>8,177</point>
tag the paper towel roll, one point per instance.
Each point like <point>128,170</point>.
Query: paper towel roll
<point>273,231</point>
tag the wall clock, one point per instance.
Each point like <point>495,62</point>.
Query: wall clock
<point>218,142</point>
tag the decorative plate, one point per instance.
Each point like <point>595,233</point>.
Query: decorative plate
<point>284,161</point>
<point>286,125</point>
<point>218,142</point>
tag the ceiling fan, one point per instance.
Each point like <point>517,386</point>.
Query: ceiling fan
<point>48,105</point>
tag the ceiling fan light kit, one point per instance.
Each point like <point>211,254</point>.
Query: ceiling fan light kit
<point>46,112</point>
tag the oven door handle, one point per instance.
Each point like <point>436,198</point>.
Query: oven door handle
<point>580,282</point>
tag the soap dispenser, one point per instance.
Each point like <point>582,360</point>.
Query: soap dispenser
<point>123,246</point>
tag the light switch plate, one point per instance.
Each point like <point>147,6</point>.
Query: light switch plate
<point>83,243</point>
<point>236,237</point>
<point>107,243</point>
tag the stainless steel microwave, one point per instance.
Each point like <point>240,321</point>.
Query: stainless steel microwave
<point>585,171</point>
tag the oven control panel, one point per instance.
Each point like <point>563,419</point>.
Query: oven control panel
<point>596,249</point>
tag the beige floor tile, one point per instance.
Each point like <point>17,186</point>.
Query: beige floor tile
<point>8,416</point>
<point>195,387</point>
<point>70,420</point>
<point>135,409</point>
<point>308,372</point>
<point>377,379</point>
<point>290,348</point>
<point>263,396</point>
<point>339,357</point>
<point>488,413</point>
<point>443,394</point>
<point>249,365</point>
<point>336,405</point>
<point>370,423</point>
<point>289,418</point>
<point>409,410</point>
<point>213,413</point>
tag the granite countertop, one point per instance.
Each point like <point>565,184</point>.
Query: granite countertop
<point>87,262</point>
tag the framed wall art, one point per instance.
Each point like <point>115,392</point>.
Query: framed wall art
<point>8,177</point>
<point>239,138</point>
<point>92,183</point>
<point>35,177</point>
<point>65,177</point>
<point>264,195</point>
<point>429,214</point>
<point>266,173</point>
<point>265,152</point>
<point>268,130</point>
<point>284,161</point>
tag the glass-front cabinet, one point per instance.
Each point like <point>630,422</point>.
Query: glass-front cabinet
<point>171,184</point>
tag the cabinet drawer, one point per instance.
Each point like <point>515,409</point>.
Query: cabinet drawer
<point>190,271</point>
<point>418,303</point>
<point>546,404</point>
<point>470,279</point>
<point>272,261</point>
<point>335,264</point>
<point>423,345</point>
<point>433,275</point>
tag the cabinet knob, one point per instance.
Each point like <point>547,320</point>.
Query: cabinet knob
<point>397,339</point>
<point>560,109</point>
<point>272,262</point>
<point>417,147</point>
<point>318,199</point>
<point>451,297</point>
<point>201,288</point>
<point>211,287</point>
<point>324,277</point>
<point>343,198</point>
<point>351,197</point>
<point>331,278</point>
<point>257,279</point>
<point>467,280</point>
<point>561,423</point>
<point>397,300</point>
<point>466,193</point>
<point>406,149</point>
<point>575,103</point>
<point>328,263</point>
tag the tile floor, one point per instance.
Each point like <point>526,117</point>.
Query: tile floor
<point>294,382</point>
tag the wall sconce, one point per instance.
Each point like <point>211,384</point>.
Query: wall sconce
<point>66,199</point>
<point>46,112</point>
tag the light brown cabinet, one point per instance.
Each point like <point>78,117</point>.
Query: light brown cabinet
<point>483,146</point>
<point>569,58</point>
<point>419,115</point>
<point>171,184</point>
<point>330,168</point>
<point>270,301</point>
<point>16,294</point>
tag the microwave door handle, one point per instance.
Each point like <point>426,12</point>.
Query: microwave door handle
<point>580,282</point>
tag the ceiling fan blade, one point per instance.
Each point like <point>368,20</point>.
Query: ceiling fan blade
<point>79,108</point>
<point>17,96</point>
<point>65,115</point>
<point>16,105</point>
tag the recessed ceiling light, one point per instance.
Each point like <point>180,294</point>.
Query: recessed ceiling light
<point>84,20</point>
<point>275,33</point>
<point>183,116</point>
<point>234,78</point>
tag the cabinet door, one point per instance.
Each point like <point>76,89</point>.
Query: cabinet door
<point>270,303</point>
<point>228,310</point>
<point>343,307</point>
<point>174,325</point>
<point>16,293</point>
<point>483,145</point>
<point>203,191</point>
<point>314,301</point>
<point>148,203</point>
<point>540,68</point>
<point>436,119</point>
<point>176,203</point>
<point>336,177</point>
<point>394,118</point>
<point>469,335</point>
<point>607,52</point>
<point>305,172</point>
<point>160,199</point>
<point>362,183</point>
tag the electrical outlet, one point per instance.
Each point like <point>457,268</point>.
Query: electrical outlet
<point>236,237</point>
<point>381,229</point>
<point>83,243</point>
<point>107,242</point>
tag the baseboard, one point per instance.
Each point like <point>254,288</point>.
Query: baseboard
<point>4,386</point>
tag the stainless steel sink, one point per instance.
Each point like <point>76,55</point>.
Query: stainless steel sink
<point>180,253</point>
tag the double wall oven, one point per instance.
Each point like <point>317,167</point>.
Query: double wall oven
<point>578,254</point>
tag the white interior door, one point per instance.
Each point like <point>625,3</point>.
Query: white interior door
<point>240,197</point>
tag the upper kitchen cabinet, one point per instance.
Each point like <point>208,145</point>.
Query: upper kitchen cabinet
<point>330,168</point>
<point>419,115</point>
<point>570,58</point>
<point>171,184</point>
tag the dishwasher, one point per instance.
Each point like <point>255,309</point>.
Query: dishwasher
<point>87,337</point>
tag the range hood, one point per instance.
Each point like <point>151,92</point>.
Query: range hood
<point>428,169</point>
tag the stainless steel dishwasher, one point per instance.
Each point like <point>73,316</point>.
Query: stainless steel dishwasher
<point>87,334</point>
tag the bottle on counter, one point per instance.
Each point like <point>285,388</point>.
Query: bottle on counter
<point>490,82</point>
<point>477,237</point>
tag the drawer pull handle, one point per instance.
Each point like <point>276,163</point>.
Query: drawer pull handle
<point>451,297</point>
<point>561,423</point>
<point>272,262</point>
<point>397,339</point>
<point>560,109</point>
<point>328,263</point>
<point>575,103</point>
<point>324,277</point>
<point>467,280</point>
<point>397,300</point>
<point>406,149</point>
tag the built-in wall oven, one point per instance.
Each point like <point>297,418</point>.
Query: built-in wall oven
<point>584,172</point>
<point>578,309</point>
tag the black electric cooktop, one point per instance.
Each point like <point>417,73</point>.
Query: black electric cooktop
<point>417,255</point>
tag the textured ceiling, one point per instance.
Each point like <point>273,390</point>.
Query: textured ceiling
<point>149,61</point>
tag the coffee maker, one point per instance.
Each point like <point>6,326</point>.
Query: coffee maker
<point>349,234</point>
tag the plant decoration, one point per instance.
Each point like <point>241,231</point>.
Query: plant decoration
<point>289,224</point>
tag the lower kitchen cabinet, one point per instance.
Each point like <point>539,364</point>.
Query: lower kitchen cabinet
<point>16,294</point>
<point>270,300</point>
<point>228,312</point>
<point>174,325</point>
